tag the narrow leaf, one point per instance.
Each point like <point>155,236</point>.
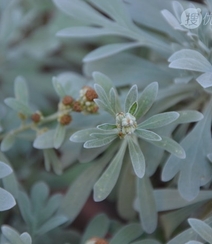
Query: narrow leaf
<point>107,181</point>
<point>21,91</point>
<point>7,201</point>
<point>171,146</point>
<point>18,106</point>
<point>11,234</point>
<point>83,135</point>
<point>103,81</point>
<point>45,140</point>
<point>131,98</point>
<point>104,106</point>
<point>85,32</point>
<point>133,108</point>
<point>147,135</point>
<point>51,224</point>
<point>106,126</point>
<point>137,158</point>
<point>205,80</point>
<point>146,99</point>
<point>147,206</point>
<point>99,142</point>
<point>203,229</point>
<point>127,234</point>
<point>159,120</point>
<point>98,226</point>
<point>109,50</point>
<point>58,87</point>
<point>26,238</point>
<point>188,116</point>
<point>7,142</point>
<point>59,135</point>
<point>5,169</point>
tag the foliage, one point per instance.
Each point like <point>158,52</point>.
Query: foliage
<point>110,98</point>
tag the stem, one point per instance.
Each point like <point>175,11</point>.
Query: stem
<point>33,125</point>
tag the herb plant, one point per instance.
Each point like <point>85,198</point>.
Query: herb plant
<point>108,103</point>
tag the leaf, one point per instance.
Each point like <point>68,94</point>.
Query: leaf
<point>147,206</point>
<point>45,140</point>
<point>17,106</point>
<point>21,91</point>
<point>101,94</point>
<point>147,135</point>
<point>170,18</point>
<point>146,99</point>
<point>83,135</point>
<point>80,189</point>
<point>159,120</point>
<point>114,100</point>
<point>98,226</point>
<point>5,169</point>
<point>126,191</point>
<point>59,135</point>
<point>51,159</point>
<point>205,80</point>
<point>137,158</point>
<point>188,116</point>
<point>193,174</point>
<point>11,234</point>
<point>133,108</point>
<point>85,32</point>
<point>190,60</point>
<point>58,87</point>
<point>131,98</point>
<point>99,142</point>
<point>169,199</point>
<point>115,9</point>
<point>106,126</point>
<point>7,201</point>
<point>7,142</point>
<point>103,81</point>
<point>146,241</point>
<point>127,234</point>
<point>105,107</point>
<point>26,238</point>
<point>107,181</point>
<point>82,11</point>
<point>51,224</point>
<point>109,50</point>
<point>171,146</point>
<point>203,229</point>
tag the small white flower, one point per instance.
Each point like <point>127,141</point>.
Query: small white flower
<point>126,123</point>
